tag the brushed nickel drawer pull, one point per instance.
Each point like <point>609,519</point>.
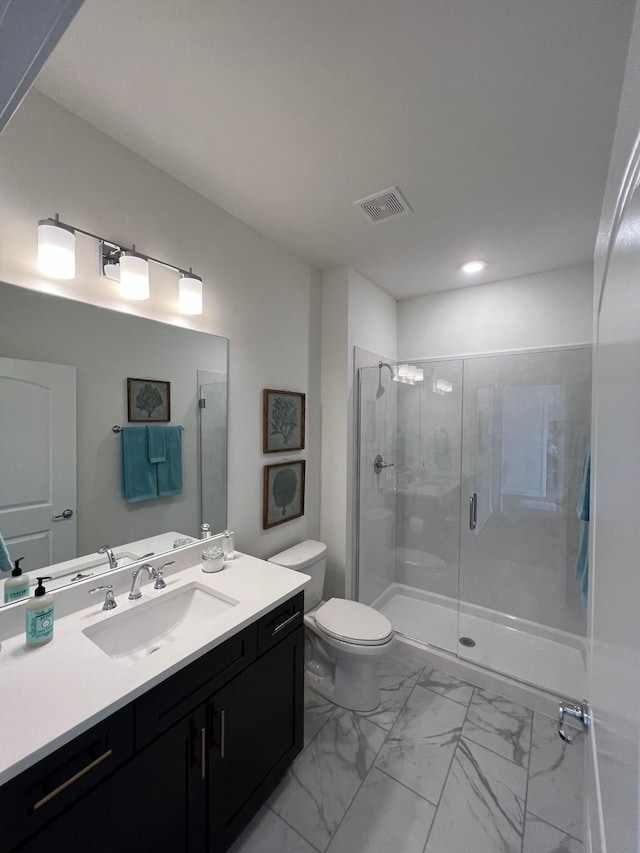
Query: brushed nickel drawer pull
<point>72,779</point>
<point>285,623</point>
<point>222,733</point>
<point>203,754</point>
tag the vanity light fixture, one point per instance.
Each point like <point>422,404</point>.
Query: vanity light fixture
<point>473,267</point>
<point>56,249</point>
<point>57,259</point>
<point>190,293</point>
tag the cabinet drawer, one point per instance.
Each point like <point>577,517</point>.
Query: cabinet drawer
<point>280,622</point>
<point>42,792</point>
<point>170,701</point>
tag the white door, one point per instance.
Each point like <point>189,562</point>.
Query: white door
<point>613,752</point>
<point>38,461</point>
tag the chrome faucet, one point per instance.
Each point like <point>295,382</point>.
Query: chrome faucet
<point>136,578</point>
<point>104,549</point>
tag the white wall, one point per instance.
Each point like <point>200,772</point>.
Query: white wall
<point>263,299</point>
<point>356,314</point>
<point>543,310</point>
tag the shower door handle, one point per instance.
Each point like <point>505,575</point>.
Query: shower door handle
<point>473,511</point>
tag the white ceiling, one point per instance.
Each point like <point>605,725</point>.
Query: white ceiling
<point>495,118</point>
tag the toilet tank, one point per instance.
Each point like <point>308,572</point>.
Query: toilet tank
<point>309,557</point>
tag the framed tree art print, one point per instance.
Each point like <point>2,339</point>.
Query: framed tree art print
<point>148,401</point>
<point>283,498</point>
<point>283,421</point>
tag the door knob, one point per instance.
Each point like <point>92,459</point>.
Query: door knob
<point>67,513</point>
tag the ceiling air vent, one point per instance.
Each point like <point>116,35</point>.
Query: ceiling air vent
<point>384,205</point>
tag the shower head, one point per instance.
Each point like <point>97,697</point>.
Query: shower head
<point>380,389</point>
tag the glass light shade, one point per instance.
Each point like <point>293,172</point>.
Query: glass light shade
<point>419,374</point>
<point>56,249</point>
<point>413,373</point>
<point>403,370</point>
<point>134,276</point>
<point>190,294</point>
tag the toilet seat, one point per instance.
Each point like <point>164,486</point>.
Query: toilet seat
<point>353,622</point>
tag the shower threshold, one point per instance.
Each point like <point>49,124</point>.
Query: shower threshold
<point>543,657</point>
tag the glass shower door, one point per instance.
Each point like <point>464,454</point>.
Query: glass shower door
<point>377,405</point>
<point>526,421</point>
<point>409,512</point>
<point>427,505</point>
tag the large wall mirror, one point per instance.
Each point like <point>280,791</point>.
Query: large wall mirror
<point>46,436</point>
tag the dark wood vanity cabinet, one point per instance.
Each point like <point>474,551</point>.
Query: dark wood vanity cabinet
<point>188,764</point>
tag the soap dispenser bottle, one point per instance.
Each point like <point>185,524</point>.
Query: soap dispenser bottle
<point>17,586</point>
<point>40,616</point>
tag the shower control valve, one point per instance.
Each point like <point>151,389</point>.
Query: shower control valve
<point>379,464</point>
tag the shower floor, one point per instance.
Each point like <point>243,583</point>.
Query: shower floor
<point>544,657</point>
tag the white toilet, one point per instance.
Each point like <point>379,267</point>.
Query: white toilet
<point>344,639</point>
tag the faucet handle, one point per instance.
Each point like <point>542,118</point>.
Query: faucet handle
<point>158,575</point>
<point>109,600</point>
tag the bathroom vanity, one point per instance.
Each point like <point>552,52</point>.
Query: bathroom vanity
<point>176,749</point>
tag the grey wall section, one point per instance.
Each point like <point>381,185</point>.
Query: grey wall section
<point>106,348</point>
<point>543,310</point>
<point>259,296</point>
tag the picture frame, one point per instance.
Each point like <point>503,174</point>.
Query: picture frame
<point>148,401</point>
<point>283,421</point>
<point>283,492</point>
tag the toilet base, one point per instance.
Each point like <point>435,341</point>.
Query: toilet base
<point>353,687</point>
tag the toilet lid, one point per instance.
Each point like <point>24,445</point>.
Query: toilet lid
<point>354,622</point>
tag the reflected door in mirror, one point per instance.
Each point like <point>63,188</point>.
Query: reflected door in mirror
<point>38,461</point>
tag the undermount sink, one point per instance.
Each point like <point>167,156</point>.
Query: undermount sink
<point>147,627</point>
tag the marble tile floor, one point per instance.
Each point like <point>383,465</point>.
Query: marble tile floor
<point>439,767</point>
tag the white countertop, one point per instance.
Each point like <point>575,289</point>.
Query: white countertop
<point>51,694</point>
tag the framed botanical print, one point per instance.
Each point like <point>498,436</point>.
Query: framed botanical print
<point>282,421</point>
<point>148,400</point>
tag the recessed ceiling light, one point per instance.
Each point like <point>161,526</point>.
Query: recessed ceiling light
<point>472,267</point>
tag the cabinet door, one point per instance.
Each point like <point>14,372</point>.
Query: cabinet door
<point>155,802</point>
<point>257,723</point>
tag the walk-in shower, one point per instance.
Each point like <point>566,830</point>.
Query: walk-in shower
<point>467,526</point>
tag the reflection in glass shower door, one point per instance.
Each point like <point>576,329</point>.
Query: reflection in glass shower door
<point>525,432</point>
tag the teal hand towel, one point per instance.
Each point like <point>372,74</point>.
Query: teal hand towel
<point>156,438</point>
<point>139,476</point>
<point>170,472</point>
<point>5,560</point>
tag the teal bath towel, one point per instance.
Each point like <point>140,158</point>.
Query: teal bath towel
<point>5,560</point>
<point>170,471</point>
<point>139,476</point>
<point>582,565</point>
